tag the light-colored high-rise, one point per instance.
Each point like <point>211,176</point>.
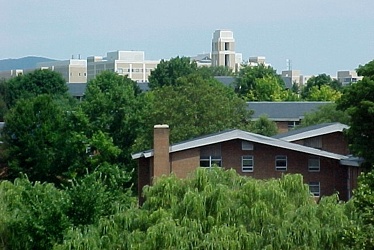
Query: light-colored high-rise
<point>130,63</point>
<point>223,49</point>
<point>346,77</point>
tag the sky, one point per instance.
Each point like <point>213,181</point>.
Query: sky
<point>317,36</point>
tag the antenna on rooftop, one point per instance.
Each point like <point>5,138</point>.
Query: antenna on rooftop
<point>289,64</point>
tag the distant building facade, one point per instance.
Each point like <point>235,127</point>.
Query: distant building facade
<point>346,77</point>
<point>73,70</point>
<point>223,50</point>
<point>130,63</point>
<point>291,77</point>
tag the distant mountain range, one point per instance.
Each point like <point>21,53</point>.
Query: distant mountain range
<point>28,62</point>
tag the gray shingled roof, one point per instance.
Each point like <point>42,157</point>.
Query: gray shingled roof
<point>242,135</point>
<point>77,89</point>
<point>312,131</point>
<point>283,111</point>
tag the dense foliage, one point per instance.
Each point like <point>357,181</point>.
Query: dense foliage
<point>216,209</point>
<point>196,106</point>
<point>358,102</point>
<point>113,106</point>
<point>168,71</point>
<point>33,84</point>
<point>325,114</point>
<point>38,215</point>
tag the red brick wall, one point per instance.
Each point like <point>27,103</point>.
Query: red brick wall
<point>161,151</point>
<point>332,176</point>
<point>185,162</point>
<point>144,176</point>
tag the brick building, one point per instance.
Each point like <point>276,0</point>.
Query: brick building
<point>326,172</point>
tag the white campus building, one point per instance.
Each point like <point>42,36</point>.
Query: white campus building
<point>130,63</point>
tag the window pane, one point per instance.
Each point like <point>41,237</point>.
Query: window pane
<point>247,163</point>
<point>314,164</point>
<point>314,188</point>
<point>281,163</point>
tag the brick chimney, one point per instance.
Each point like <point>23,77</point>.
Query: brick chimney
<point>161,162</point>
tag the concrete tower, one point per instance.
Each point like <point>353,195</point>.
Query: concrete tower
<point>223,49</point>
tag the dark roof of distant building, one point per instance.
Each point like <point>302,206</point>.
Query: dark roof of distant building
<point>226,80</point>
<point>77,89</point>
<point>283,111</point>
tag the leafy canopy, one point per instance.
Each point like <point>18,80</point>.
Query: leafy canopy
<point>194,107</point>
<point>168,71</point>
<point>41,81</point>
<point>358,102</point>
<point>217,209</point>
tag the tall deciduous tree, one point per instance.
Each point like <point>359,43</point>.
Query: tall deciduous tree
<point>168,71</point>
<point>113,106</point>
<point>264,126</point>
<point>249,76</point>
<point>38,82</point>
<point>51,142</point>
<point>325,114</point>
<point>219,209</point>
<point>323,93</point>
<point>317,82</point>
<point>358,101</point>
<point>195,106</point>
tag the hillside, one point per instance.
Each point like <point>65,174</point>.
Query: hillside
<point>28,62</point>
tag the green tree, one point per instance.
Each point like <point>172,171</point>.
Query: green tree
<point>32,84</point>
<point>219,209</point>
<point>168,71</point>
<point>268,89</point>
<point>358,102</point>
<point>325,114</point>
<point>32,215</point>
<point>366,70</point>
<point>318,82</point>
<point>50,142</point>
<point>323,93</point>
<point>194,107</point>
<point>360,234</point>
<point>264,126</point>
<point>113,106</point>
<point>39,215</point>
<point>215,71</point>
<point>249,76</point>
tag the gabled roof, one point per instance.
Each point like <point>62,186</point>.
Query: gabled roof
<point>242,135</point>
<point>283,111</point>
<point>312,131</point>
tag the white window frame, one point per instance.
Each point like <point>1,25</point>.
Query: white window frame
<point>247,168</point>
<point>316,185</point>
<point>246,145</point>
<point>212,161</point>
<point>314,167</point>
<point>279,158</point>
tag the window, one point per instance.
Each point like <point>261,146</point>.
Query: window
<point>314,188</point>
<point>313,164</point>
<point>210,156</point>
<point>247,163</point>
<point>208,162</point>
<point>227,46</point>
<point>246,145</point>
<point>281,163</point>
